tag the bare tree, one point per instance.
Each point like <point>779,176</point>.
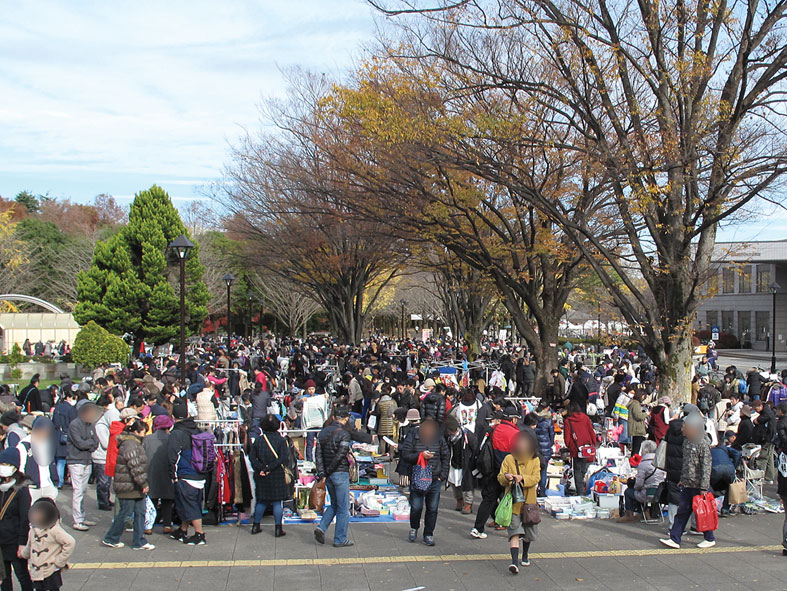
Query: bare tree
<point>681,107</point>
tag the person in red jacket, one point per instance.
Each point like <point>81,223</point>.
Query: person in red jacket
<point>581,441</point>
<point>659,419</point>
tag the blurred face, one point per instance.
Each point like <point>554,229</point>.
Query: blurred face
<point>428,431</point>
<point>691,432</point>
<point>310,390</point>
<point>523,446</point>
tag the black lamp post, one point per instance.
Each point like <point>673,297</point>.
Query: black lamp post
<point>182,245</point>
<point>248,324</point>
<point>228,279</point>
<point>403,303</point>
<point>262,313</point>
<point>774,287</point>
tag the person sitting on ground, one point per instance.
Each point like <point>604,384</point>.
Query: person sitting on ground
<point>648,477</point>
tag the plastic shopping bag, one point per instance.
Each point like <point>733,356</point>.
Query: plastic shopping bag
<point>505,511</point>
<point>705,513</point>
<point>150,513</point>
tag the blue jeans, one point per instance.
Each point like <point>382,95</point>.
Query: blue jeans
<point>630,502</point>
<point>61,471</point>
<point>310,436</point>
<point>432,499</point>
<point>338,485</point>
<point>125,508</point>
<point>278,511</point>
<point>684,514</point>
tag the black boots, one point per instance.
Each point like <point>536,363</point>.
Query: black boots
<point>278,532</point>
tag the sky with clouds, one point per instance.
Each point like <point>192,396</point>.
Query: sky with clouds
<point>111,97</point>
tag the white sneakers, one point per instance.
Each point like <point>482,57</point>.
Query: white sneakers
<point>703,545</point>
<point>111,545</point>
<point>479,535</point>
<point>669,543</point>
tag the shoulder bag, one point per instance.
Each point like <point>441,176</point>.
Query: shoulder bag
<point>531,513</point>
<point>287,470</point>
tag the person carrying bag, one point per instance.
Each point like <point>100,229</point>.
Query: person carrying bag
<point>520,472</point>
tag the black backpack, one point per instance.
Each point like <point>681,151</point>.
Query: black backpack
<point>483,460</point>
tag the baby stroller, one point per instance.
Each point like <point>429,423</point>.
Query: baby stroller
<point>754,478</point>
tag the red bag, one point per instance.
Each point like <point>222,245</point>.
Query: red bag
<point>115,429</point>
<point>705,512</point>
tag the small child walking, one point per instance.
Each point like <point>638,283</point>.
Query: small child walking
<point>48,546</point>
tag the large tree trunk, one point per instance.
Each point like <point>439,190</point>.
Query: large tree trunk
<point>674,366</point>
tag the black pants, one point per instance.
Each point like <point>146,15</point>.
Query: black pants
<point>22,574</point>
<point>165,510</point>
<point>490,494</point>
<point>636,443</point>
<point>580,466</point>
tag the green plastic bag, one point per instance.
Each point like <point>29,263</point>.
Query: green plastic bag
<point>504,511</point>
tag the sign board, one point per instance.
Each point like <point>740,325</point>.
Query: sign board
<point>714,333</point>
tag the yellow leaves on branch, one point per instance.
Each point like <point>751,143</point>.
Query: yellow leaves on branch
<point>12,255</point>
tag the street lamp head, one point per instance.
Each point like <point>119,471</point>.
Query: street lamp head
<point>403,302</point>
<point>774,287</point>
<point>251,296</point>
<point>181,245</point>
<point>228,279</point>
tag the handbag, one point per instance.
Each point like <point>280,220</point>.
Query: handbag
<point>738,494</point>
<point>587,451</point>
<point>705,512</point>
<point>353,464</point>
<point>531,514</point>
<point>317,496</point>
<point>505,510</point>
<point>422,475</point>
<point>517,493</point>
<point>150,513</point>
<point>287,471</point>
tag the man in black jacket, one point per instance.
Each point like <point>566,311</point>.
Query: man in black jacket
<point>333,466</point>
<point>29,397</point>
<point>189,484</point>
<point>765,434</point>
<point>426,440</point>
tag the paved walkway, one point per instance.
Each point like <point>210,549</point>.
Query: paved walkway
<point>597,554</point>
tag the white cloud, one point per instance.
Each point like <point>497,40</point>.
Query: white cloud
<point>152,88</point>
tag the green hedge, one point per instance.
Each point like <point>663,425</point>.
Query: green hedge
<point>94,346</point>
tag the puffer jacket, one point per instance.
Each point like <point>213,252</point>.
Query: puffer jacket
<point>648,476</point>
<point>440,462</point>
<point>433,405</point>
<point>674,439</point>
<point>385,409</point>
<point>206,410</point>
<point>545,432</point>
<point>333,443</point>
<point>131,470</point>
<point>697,464</point>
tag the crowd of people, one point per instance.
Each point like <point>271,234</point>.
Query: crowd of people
<point>490,431</point>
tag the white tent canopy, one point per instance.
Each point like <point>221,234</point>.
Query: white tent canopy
<point>16,328</point>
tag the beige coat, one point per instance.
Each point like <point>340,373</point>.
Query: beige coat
<point>47,550</point>
<point>205,409</point>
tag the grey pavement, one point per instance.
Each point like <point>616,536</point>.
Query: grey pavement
<point>599,554</point>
